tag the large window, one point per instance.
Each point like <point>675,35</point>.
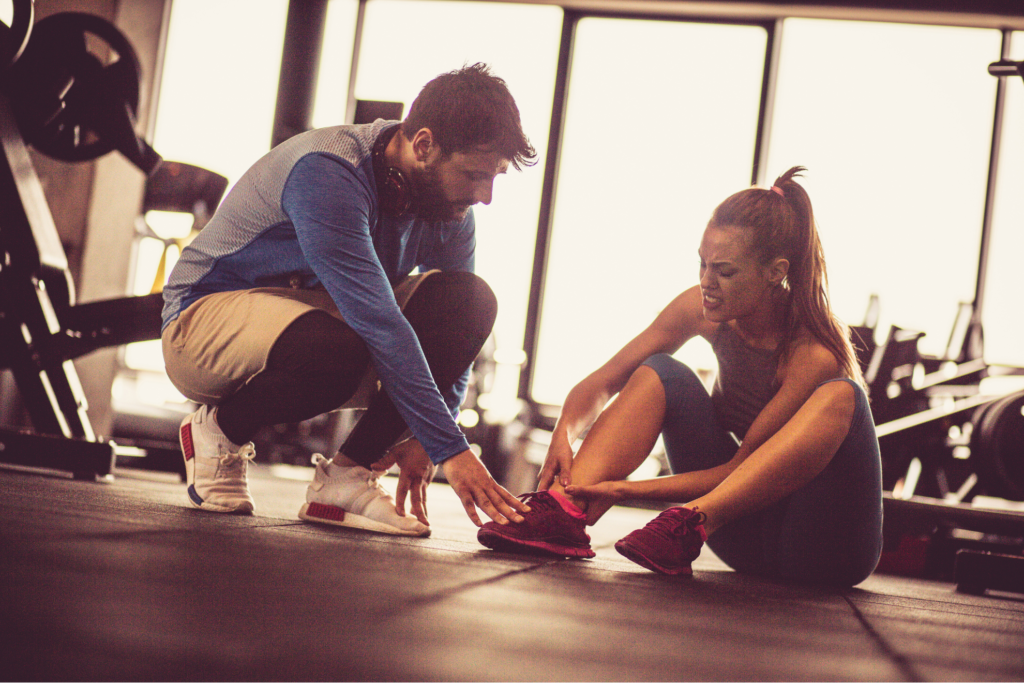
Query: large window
<point>219,83</point>
<point>216,110</point>
<point>405,44</point>
<point>658,131</point>
<point>335,63</point>
<point>894,123</point>
<point>1004,324</point>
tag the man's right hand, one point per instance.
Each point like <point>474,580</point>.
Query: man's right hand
<point>475,488</point>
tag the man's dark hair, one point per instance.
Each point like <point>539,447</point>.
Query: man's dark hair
<point>469,108</point>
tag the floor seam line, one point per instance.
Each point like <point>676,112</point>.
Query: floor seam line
<point>449,592</point>
<point>904,665</point>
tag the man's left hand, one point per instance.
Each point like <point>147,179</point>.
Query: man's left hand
<point>416,471</point>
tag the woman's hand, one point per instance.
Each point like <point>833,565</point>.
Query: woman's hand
<point>599,497</point>
<point>557,464</point>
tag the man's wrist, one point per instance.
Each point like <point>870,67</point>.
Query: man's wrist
<point>451,458</point>
<point>445,454</point>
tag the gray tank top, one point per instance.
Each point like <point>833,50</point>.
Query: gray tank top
<point>745,381</point>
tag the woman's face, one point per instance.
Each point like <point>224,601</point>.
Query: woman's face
<point>733,282</point>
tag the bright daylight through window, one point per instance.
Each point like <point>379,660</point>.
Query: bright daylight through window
<point>896,140</point>
<point>658,131</point>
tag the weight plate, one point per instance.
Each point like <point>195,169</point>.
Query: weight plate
<point>78,86</point>
<point>14,38</point>
<point>997,447</point>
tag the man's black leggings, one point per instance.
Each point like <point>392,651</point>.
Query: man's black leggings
<point>318,362</point>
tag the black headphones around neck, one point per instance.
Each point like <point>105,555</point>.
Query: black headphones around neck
<point>393,192</point>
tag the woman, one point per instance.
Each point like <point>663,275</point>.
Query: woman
<point>779,465</point>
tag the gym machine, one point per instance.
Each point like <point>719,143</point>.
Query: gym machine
<point>946,446</point>
<point>72,101</point>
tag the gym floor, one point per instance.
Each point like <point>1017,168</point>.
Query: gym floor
<point>122,581</point>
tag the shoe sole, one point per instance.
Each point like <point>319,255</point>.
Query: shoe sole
<point>330,514</point>
<point>505,544</point>
<point>634,555</point>
<point>197,501</point>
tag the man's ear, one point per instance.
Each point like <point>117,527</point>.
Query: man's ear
<point>778,271</point>
<point>423,145</point>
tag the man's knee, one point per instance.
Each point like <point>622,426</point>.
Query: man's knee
<point>457,296</point>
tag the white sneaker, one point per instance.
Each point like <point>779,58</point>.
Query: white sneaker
<point>214,467</point>
<point>352,497</point>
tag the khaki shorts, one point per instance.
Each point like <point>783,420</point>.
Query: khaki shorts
<point>223,340</point>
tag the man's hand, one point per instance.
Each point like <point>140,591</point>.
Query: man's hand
<point>557,464</point>
<point>416,471</point>
<point>475,488</point>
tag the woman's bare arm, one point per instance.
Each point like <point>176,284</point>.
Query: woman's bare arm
<point>679,322</point>
<point>809,365</point>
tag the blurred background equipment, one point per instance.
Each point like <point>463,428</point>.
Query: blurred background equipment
<point>70,88</point>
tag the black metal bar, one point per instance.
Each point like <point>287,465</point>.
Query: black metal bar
<point>767,107</point>
<point>300,63</point>
<point>84,459</point>
<point>975,340</point>
<point>1006,68</point>
<point>353,73</point>
<point>547,203</point>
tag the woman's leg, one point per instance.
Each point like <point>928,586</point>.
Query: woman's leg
<point>623,435</point>
<point>664,397</point>
<point>806,505</point>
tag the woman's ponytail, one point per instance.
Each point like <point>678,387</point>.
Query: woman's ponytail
<point>781,221</point>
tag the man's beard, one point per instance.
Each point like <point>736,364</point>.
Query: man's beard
<point>428,199</point>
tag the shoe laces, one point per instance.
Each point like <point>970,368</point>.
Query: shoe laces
<point>372,478</point>
<point>233,464</point>
<point>675,521</point>
<point>539,500</point>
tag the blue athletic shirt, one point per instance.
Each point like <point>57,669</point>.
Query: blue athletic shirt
<point>306,215</point>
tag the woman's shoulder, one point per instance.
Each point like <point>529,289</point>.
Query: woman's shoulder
<point>807,355</point>
<point>687,311</point>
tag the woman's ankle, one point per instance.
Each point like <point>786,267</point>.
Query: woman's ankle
<point>578,502</point>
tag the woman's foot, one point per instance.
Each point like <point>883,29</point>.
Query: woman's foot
<point>669,542</point>
<point>554,526</point>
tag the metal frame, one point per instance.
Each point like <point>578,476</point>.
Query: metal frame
<point>974,344</point>
<point>570,21</point>
<point>767,110</point>
<point>765,15</point>
<point>558,108</point>
<point>300,65</point>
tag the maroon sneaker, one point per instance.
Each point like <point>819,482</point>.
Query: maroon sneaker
<point>669,542</point>
<point>553,526</point>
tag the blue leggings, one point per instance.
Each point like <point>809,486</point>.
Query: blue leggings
<point>829,531</point>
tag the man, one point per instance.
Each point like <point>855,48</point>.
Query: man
<point>297,298</point>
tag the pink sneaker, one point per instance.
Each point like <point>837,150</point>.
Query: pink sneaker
<point>553,526</point>
<point>669,542</point>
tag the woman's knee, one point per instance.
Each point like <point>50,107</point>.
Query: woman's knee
<point>836,402</point>
<point>682,385</point>
<point>672,371</point>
